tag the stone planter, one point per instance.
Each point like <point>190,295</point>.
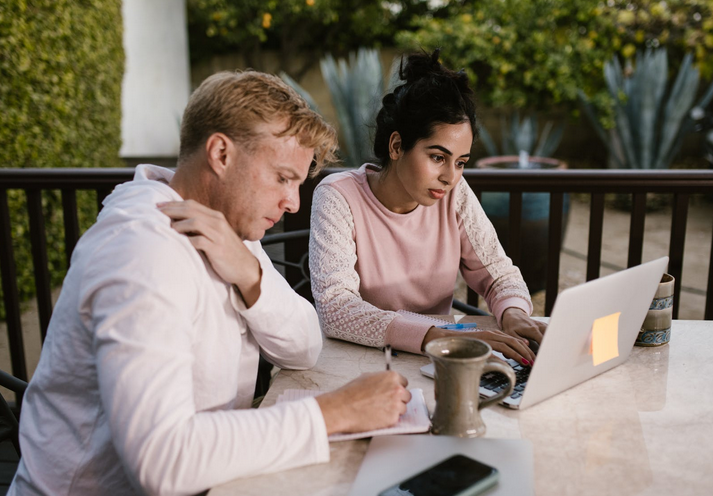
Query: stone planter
<point>535,218</point>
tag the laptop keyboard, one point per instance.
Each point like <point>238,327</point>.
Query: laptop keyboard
<point>492,381</point>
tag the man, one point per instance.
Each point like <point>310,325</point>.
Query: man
<point>150,359</point>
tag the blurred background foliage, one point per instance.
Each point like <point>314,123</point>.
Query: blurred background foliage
<point>61,70</point>
<point>304,28</point>
<point>533,54</point>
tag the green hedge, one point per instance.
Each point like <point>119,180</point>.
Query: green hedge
<point>60,105</point>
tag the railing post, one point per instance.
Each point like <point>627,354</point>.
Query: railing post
<point>515,229</point>
<point>596,223</point>
<point>71,222</point>
<point>636,229</point>
<point>38,240</point>
<point>553,250</point>
<point>679,218</point>
<point>10,293</point>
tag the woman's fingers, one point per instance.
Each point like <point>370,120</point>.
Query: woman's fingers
<point>512,347</point>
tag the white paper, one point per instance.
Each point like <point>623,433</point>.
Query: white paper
<point>415,420</point>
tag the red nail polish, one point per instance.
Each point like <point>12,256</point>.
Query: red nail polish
<point>526,362</point>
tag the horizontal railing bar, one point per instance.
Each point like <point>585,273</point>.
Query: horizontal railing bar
<point>586,180</point>
<point>556,181</point>
<point>62,178</point>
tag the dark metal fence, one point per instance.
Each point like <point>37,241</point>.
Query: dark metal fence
<point>681,184</point>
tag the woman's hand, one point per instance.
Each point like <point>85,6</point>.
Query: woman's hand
<point>514,347</point>
<point>517,323</point>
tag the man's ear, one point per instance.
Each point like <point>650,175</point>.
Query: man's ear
<point>395,146</point>
<point>218,147</point>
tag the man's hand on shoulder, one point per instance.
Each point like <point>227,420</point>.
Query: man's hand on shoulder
<point>372,401</point>
<point>209,232</point>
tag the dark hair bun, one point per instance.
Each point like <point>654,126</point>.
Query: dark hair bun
<point>431,94</point>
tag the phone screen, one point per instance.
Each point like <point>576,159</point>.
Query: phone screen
<point>448,478</point>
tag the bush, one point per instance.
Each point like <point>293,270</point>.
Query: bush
<point>60,105</point>
<point>296,29</point>
<point>534,54</point>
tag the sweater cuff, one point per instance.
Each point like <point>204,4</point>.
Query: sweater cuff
<point>406,334</point>
<point>505,303</point>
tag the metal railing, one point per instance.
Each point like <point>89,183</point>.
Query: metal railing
<point>681,184</point>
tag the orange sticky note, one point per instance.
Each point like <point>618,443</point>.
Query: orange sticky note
<point>605,338</point>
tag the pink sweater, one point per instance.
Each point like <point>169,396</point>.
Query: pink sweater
<point>366,261</point>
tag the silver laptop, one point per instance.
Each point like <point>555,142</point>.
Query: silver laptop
<point>564,358</point>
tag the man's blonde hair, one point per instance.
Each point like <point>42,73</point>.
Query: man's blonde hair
<point>236,103</point>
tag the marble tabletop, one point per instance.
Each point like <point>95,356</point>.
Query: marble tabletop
<point>643,428</point>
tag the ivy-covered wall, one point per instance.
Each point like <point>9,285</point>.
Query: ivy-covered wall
<point>61,67</point>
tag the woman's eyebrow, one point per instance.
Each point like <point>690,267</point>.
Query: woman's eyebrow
<point>445,150</point>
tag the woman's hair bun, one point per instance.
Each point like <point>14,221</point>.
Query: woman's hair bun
<point>430,94</point>
<point>420,65</point>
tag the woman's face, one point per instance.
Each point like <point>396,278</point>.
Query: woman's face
<point>434,165</point>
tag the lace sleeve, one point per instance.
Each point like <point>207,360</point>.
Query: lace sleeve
<point>484,265</point>
<point>343,314</point>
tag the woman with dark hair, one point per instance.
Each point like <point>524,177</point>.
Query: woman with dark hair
<point>393,236</point>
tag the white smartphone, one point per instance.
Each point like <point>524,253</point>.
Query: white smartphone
<point>458,475</point>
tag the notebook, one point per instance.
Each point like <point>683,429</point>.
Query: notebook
<point>592,329</point>
<point>415,420</point>
<point>391,459</point>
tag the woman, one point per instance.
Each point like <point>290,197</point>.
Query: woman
<point>393,237</point>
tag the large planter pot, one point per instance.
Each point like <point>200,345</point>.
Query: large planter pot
<point>535,218</point>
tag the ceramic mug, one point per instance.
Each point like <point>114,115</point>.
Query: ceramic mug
<point>656,329</point>
<point>459,362</point>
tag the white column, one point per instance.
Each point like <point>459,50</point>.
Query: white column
<point>156,82</point>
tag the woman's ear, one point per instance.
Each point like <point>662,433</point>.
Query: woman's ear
<point>395,146</point>
<point>217,148</point>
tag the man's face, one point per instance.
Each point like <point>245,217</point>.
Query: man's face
<point>259,187</point>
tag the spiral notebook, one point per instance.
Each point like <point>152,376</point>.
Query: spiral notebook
<point>415,420</point>
<point>423,318</point>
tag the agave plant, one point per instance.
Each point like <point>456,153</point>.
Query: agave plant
<point>702,118</point>
<point>520,136</point>
<point>650,122</point>
<point>355,87</point>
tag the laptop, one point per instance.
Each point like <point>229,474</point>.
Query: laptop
<point>565,357</point>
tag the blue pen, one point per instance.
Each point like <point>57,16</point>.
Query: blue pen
<point>458,327</point>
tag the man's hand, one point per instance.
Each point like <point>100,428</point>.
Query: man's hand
<point>514,347</point>
<point>372,401</point>
<point>209,232</point>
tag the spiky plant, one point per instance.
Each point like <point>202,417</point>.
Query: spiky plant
<point>522,136</point>
<point>650,122</point>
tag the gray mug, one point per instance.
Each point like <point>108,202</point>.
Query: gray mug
<point>459,362</point>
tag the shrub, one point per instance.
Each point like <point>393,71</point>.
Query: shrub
<point>297,29</point>
<point>60,105</point>
<point>537,53</point>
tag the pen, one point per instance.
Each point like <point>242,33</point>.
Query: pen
<point>467,325</point>
<point>387,355</point>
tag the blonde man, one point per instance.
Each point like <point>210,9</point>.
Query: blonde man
<point>149,366</point>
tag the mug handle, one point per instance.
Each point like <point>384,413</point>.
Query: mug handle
<point>495,365</point>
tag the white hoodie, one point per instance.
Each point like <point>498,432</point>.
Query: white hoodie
<point>148,370</point>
